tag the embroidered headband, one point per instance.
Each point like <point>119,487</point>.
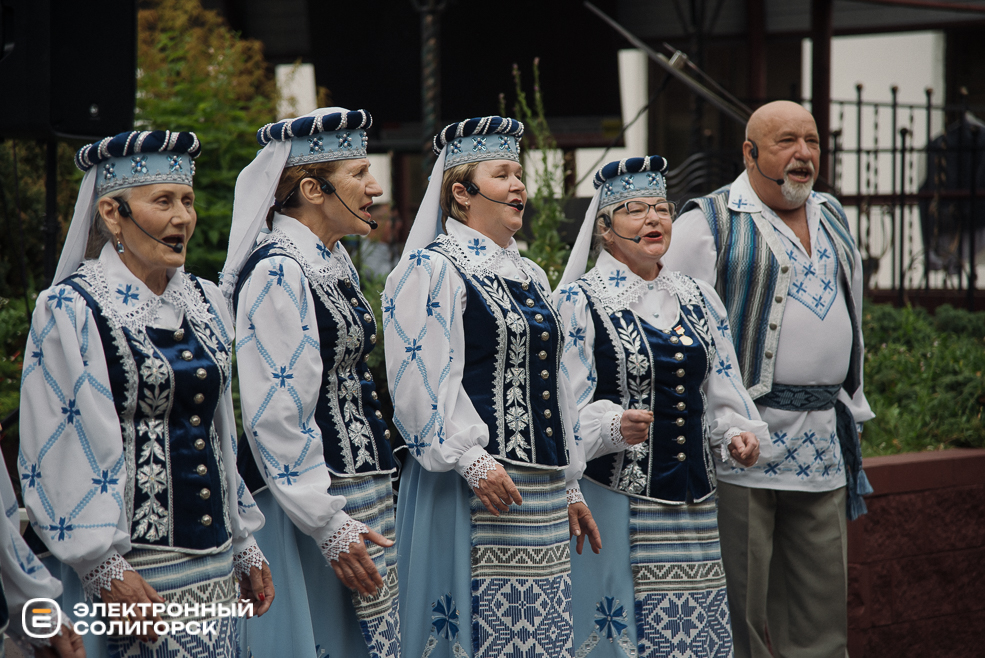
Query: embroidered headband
<point>137,158</point>
<point>622,180</point>
<point>321,136</point>
<point>482,138</point>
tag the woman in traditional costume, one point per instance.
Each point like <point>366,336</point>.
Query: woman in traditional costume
<point>127,461</point>
<point>650,360</point>
<point>318,459</point>
<point>473,351</point>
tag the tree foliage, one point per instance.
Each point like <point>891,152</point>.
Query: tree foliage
<point>195,73</point>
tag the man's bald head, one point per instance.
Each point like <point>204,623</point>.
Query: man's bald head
<point>772,116</point>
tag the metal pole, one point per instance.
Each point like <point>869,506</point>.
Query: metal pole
<point>892,192</point>
<point>50,212</point>
<point>961,149</point>
<point>926,248</point>
<point>858,144</point>
<point>902,211</point>
<point>973,192</point>
<point>822,29</point>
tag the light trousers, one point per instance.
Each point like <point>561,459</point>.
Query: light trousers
<point>786,570</point>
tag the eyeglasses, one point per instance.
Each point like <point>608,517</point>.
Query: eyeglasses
<point>639,209</point>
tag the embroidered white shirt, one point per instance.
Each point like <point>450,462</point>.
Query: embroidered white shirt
<point>656,303</point>
<point>814,346</point>
<point>71,461</point>
<point>278,356</point>
<point>423,304</point>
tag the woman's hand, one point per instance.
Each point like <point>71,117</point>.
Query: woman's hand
<point>744,448</point>
<point>356,569</point>
<point>497,491</point>
<point>67,644</point>
<point>258,587</point>
<point>635,425</point>
<point>134,590</point>
<point>581,524</point>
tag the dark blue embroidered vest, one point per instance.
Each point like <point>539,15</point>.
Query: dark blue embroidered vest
<point>512,360</point>
<point>664,372</point>
<point>166,386</point>
<point>348,412</point>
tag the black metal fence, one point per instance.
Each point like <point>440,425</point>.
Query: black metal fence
<point>912,178</point>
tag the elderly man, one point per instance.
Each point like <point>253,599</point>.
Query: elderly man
<point>783,260</point>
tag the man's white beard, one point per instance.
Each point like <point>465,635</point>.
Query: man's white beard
<point>797,193</point>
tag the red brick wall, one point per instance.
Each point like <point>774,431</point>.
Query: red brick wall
<point>916,579</point>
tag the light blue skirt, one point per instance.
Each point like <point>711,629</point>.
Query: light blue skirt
<point>472,584</point>
<point>314,615</point>
<point>658,587</point>
<point>179,578</point>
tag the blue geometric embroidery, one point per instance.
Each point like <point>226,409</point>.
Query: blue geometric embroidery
<point>413,349</point>
<point>617,278</point>
<point>417,446</point>
<point>478,144</point>
<point>278,274</point>
<point>109,170</point>
<point>627,183</point>
<point>323,251</point>
<point>288,474</point>
<point>63,529</point>
<point>315,145</point>
<point>282,376</point>
<point>71,412</point>
<point>813,283</point>
<point>127,295</point>
<point>32,477</point>
<point>104,482</point>
<point>345,142</point>
<point>62,297</point>
<point>570,293</point>
<point>431,305</point>
<point>174,163</point>
<point>444,617</point>
<point>419,256</point>
<point>456,147</point>
<point>610,617</point>
<point>477,246</point>
<point>504,144</point>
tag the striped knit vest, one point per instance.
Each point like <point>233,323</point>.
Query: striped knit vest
<point>754,275</point>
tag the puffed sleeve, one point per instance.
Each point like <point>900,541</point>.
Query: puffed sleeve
<point>280,372</point>
<point>692,249</point>
<point>244,515</point>
<point>423,302</point>
<point>71,461</point>
<point>24,577</point>
<point>597,425</point>
<point>730,409</point>
<point>857,403</point>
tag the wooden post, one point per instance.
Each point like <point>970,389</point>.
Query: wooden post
<point>822,29</point>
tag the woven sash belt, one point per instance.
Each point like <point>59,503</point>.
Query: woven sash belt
<point>817,398</point>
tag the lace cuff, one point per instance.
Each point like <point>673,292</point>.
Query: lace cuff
<point>615,430</point>
<point>339,542</point>
<point>479,470</point>
<point>730,434</point>
<point>243,561</point>
<point>575,495</point>
<point>99,578</point>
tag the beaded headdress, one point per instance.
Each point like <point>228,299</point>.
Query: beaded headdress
<point>616,182</point>
<point>140,157</point>
<point>130,159</point>
<point>482,138</point>
<point>321,136</point>
<point>622,180</point>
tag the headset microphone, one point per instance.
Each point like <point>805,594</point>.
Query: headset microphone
<point>608,224</point>
<point>124,210</point>
<point>329,189</point>
<point>755,158</point>
<point>473,189</point>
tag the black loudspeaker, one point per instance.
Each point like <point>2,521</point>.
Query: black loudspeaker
<point>67,68</point>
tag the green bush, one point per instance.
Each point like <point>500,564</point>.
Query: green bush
<point>923,379</point>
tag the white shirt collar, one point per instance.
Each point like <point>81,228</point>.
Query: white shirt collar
<point>127,292</point>
<point>483,253</point>
<point>742,198</point>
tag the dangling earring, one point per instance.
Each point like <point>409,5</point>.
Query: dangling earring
<point>119,246</point>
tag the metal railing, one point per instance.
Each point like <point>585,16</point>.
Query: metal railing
<point>912,178</point>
